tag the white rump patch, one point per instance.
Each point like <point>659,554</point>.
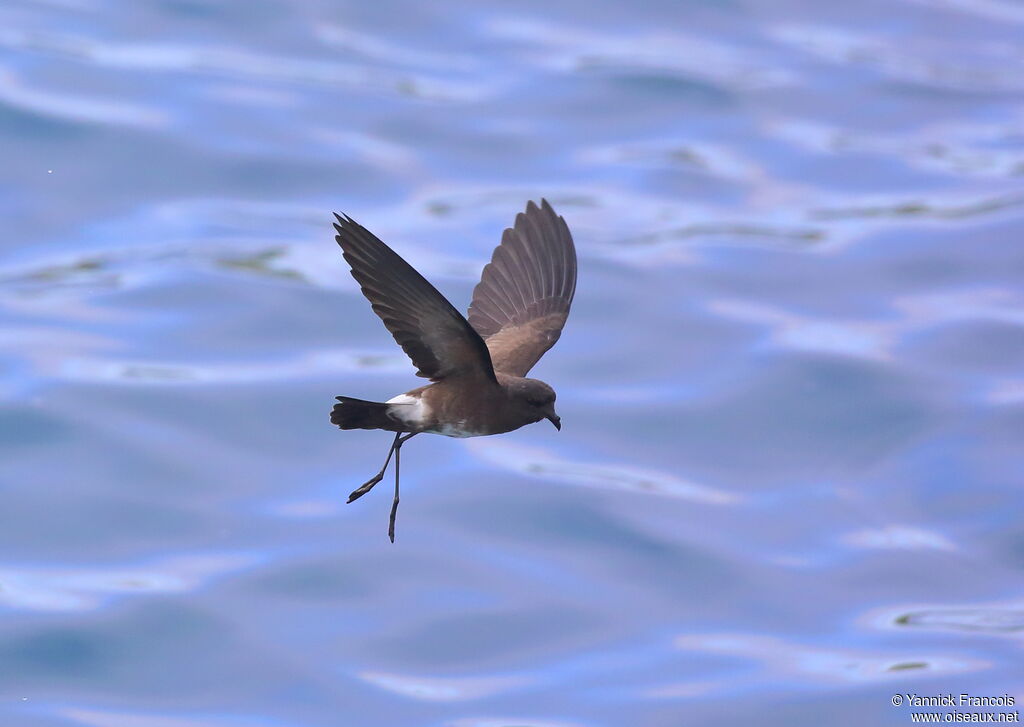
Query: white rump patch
<point>410,410</point>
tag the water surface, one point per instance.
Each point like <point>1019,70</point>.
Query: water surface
<point>788,482</point>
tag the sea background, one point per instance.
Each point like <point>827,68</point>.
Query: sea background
<point>788,482</point>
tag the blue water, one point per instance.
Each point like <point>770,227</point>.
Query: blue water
<point>788,484</point>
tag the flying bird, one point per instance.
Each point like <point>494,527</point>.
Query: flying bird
<point>477,367</point>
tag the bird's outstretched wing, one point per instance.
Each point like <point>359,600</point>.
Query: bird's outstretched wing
<point>523,297</point>
<point>440,342</point>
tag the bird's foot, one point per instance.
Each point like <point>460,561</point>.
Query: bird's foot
<point>365,487</point>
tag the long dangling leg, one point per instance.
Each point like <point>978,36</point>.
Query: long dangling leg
<point>394,505</point>
<point>368,485</point>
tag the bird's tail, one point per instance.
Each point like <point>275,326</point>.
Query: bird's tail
<point>358,414</point>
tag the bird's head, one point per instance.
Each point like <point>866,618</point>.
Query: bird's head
<point>540,398</point>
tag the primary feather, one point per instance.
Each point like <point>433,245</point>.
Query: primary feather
<point>522,300</point>
<point>438,339</point>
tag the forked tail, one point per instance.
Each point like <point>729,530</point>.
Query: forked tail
<point>358,414</point>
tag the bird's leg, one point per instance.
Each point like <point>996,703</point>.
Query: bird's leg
<point>368,485</point>
<point>394,505</point>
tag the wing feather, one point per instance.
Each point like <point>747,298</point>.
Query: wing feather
<point>438,339</point>
<point>523,298</point>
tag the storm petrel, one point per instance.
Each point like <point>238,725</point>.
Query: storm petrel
<point>478,366</point>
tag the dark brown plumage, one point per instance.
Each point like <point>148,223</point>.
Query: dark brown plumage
<point>478,365</point>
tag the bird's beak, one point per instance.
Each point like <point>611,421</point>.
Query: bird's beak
<point>556,420</point>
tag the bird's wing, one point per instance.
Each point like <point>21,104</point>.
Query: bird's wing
<point>523,297</point>
<point>440,342</point>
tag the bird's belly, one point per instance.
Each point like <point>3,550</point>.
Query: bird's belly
<point>454,411</point>
<point>414,413</point>
<point>460,429</point>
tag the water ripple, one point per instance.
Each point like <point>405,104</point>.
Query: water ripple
<point>978,68</point>
<point>984,620</point>
<point>898,537</point>
<point>922,209</point>
<point>713,159</point>
<point>83,587</point>
<point>324,363</point>
<point>94,717</point>
<point>34,97</point>
<point>999,620</point>
<point>237,63</point>
<point>862,339</point>
<point>994,9</point>
<point>510,722</point>
<point>659,53</point>
<point>542,464</point>
<point>735,233</point>
<point>443,689</point>
<point>959,150</point>
<point>385,51</point>
<point>778,656</point>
